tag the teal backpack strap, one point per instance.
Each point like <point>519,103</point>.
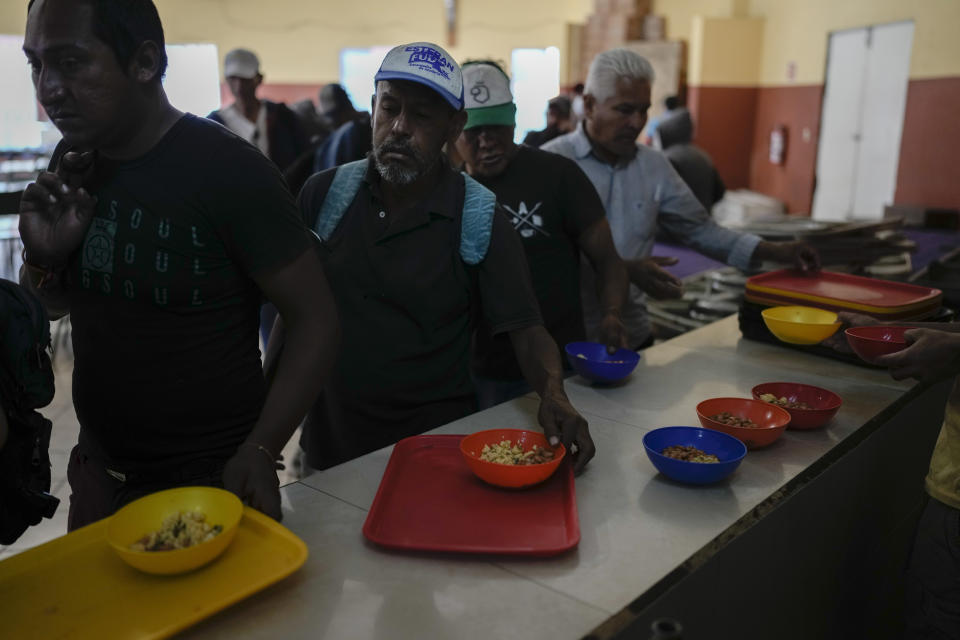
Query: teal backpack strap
<point>346,183</point>
<point>479,204</point>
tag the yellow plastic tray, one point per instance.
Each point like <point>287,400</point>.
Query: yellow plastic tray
<point>77,587</point>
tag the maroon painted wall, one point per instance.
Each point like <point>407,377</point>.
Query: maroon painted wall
<point>929,171</point>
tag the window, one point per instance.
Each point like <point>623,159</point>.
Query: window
<point>357,69</point>
<point>192,82</point>
<point>536,80</point>
<point>20,127</point>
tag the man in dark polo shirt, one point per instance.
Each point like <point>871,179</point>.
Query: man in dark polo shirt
<point>159,232</point>
<point>557,213</point>
<point>410,282</point>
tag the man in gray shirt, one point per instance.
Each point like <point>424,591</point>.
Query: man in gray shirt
<point>641,191</point>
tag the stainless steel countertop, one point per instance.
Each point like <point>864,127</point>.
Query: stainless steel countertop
<point>636,525</point>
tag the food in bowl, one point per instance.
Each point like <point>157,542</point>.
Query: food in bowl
<point>505,452</point>
<point>149,513</point>
<point>179,531</point>
<point>769,421</point>
<point>592,361</point>
<point>690,454</point>
<point>783,402</point>
<point>728,450</point>
<point>734,421</point>
<point>812,407</point>
<point>128,526</point>
<point>512,476</point>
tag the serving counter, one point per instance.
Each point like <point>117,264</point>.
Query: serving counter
<point>804,540</point>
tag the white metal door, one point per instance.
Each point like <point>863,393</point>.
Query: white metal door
<point>840,125</point>
<point>863,107</point>
<point>884,103</point>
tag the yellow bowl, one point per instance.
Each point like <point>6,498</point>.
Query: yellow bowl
<point>801,325</point>
<point>147,514</point>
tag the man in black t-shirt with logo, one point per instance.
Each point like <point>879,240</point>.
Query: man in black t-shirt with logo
<point>556,211</point>
<point>158,232</point>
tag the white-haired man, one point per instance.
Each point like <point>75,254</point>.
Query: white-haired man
<point>641,192</point>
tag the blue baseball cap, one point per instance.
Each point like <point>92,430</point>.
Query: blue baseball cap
<point>426,64</point>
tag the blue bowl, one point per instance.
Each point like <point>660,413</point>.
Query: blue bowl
<point>728,449</point>
<point>592,361</point>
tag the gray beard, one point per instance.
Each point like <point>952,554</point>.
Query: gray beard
<point>396,174</point>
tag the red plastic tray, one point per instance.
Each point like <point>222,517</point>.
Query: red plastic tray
<point>429,500</point>
<point>844,292</point>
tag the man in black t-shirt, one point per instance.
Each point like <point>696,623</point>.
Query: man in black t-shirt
<point>559,121</point>
<point>413,263</point>
<point>158,232</point>
<point>557,213</point>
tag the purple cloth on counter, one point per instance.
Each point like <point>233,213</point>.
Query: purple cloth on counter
<point>931,244</point>
<point>690,262</point>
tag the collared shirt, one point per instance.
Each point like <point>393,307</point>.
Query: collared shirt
<point>639,195</point>
<point>408,307</point>
<point>253,132</point>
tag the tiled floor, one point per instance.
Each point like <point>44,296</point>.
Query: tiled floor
<point>64,437</point>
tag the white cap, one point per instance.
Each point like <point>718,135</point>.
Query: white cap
<point>427,64</point>
<point>487,95</point>
<point>241,63</point>
<point>486,86</point>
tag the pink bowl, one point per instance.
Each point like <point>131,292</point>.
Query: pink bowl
<point>872,342</point>
<point>824,403</point>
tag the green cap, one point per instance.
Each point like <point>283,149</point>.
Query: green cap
<point>487,96</point>
<point>501,114</point>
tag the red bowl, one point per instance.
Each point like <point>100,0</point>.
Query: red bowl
<point>872,342</point>
<point>772,420</point>
<point>825,403</point>
<point>509,475</point>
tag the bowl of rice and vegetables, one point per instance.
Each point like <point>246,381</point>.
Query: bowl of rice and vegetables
<point>511,458</point>
<point>176,530</point>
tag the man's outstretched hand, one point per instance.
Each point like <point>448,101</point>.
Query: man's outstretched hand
<point>799,255</point>
<point>647,274</point>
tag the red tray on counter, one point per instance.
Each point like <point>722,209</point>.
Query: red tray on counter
<point>844,292</point>
<point>429,500</point>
